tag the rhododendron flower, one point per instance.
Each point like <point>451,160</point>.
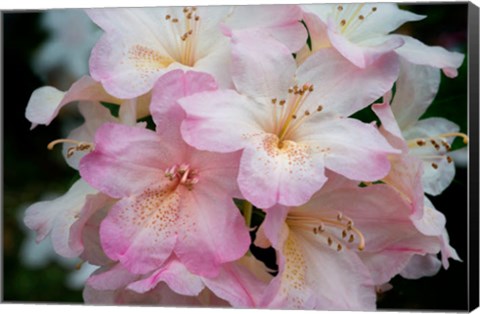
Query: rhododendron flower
<point>361,33</point>
<point>173,199</point>
<point>140,45</point>
<point>335,249</point>
<point>429,139</point>
<point>289,122</point>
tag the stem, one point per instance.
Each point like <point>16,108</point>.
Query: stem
<point>247,212</point>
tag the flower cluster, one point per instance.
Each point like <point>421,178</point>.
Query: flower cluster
<point>228,113</point>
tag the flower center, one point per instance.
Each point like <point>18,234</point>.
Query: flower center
<point>288,114</point>
<point>337,232</point>
<point>439,143</point>
<point>350,19</point>
<point>185,32</point>
<point>182,175</point>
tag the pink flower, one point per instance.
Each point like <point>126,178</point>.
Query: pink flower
<point>428,139</point>
<point>361,33</point>
<point>140,45</point>
<point>334,250</point>
<point>173,199</point>
<point>289,122</point>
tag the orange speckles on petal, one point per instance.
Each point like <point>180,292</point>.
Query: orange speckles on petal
<point>148,60</point>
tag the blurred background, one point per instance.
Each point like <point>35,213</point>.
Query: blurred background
<point>52,48</point>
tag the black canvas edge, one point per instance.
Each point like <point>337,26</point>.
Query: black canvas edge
<point>473,215</point>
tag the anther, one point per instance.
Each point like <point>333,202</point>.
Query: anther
<point>344,233</point>
<point>315,230</point>
<point>421,142</point>
<point>361,17</point>
<point>321,228</point>
<point>374,9</point>
<point>434,165</point>
<point>167,17</point>
<point>449,159</point>
<point>175,20</point>
<point>433,142</point>
<point>274,101</point>
<point>310,89</point>
<point>339,217</point>
<point>319,108</point>
<point>185,10</point>
<point>197,18</point>
<point>339,247</point>
<point>281,102</point>
<point>330,241</point>
<point>294,116</point>
<point>343,22</point>
<point>307,113</point>
<point>351,238</point>
<point>340,8</point>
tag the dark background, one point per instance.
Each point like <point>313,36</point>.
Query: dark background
<point>30,170</point>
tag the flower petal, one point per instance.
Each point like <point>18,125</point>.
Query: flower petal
<point>46,102</point>
<point>57,216</point>
<point>222,120</point>
<point>288,175</point>
<point>281,21</point>
<point>343,88</point>
<point>175,275</point>
<point>352,148</point>
<point>139,231</point>
<point>136,155</point>
<point>176,84</point>
<point>255,59</point>
<point>416,52</point>
<point>416,88</point>
<point>363,54</point>
<point>421,266</point>
<point>211,231</point>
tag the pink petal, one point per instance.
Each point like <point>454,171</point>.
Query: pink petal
<point>95,115</point>
<point>46,102</point>
<point>416,52</point>
<point>343,88</point>
<point>211,231</point>
<point>139,231</point>
<point>281,21</point>
<point>237,284</point>
<point>126,160</point>
<point>255,60</point>
<point>351,148</point>
<point>82,229</point>
<point>317,30</point>
<point>363,54</point>
<point>386,264</point>
<point>288,176</point>
<point>57,216</point>
<point>222,120</point>
<point>416,87</point>
<point>421,266</point>
<point>432,223</point>
<point>175,275</point>
<point>166,113</point>
<point>111,278</point>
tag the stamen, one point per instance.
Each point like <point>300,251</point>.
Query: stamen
<point>339,247</point>
<point>449,159</point>
<point>79,146</point>
<point>434,166</point>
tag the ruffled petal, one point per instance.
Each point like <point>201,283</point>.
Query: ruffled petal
<point>175,275</point>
